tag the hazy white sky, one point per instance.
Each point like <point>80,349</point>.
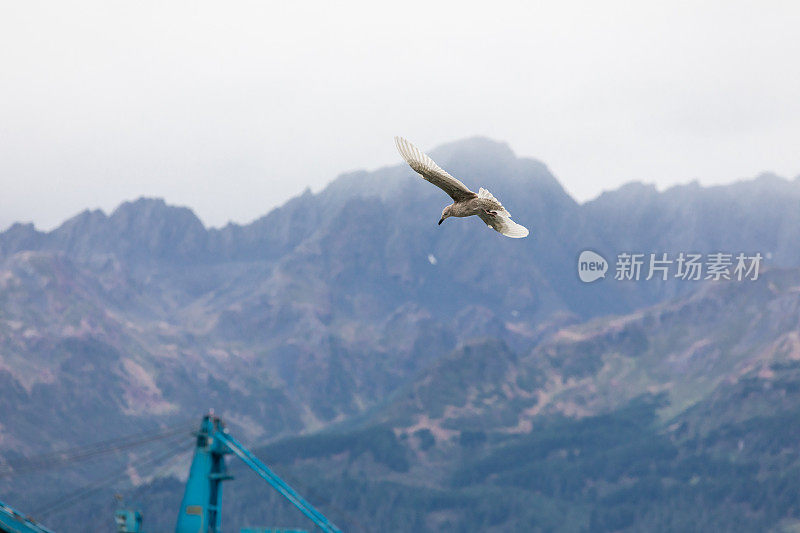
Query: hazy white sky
<point>233,107</point>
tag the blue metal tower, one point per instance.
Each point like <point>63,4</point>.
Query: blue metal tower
<point>200,507</point>
<point>200,510</point>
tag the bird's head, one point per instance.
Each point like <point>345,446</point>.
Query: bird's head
<point>445,214</point>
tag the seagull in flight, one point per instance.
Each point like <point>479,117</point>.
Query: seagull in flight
<point>465,202</point>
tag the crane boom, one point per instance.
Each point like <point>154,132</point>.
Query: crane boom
<point>278,484</point>
<point>202,500</point>
<point>15,522</point>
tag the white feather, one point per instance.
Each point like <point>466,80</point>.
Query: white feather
<point>483,193</point>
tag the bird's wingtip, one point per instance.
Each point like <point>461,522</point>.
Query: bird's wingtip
<point>518,231</point>
<point>404,147</point>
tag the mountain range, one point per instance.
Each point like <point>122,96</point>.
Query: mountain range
<point>421,377</point>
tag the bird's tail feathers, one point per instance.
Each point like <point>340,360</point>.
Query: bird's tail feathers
<point>512,229</point>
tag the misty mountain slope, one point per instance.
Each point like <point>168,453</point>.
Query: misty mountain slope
<point>677,417</point>
<point>51,307</point>
<point>326,311</point>
<point>398,233</point>
<point>331,273</point>
<point>759,215</point>
<point>684,349</point>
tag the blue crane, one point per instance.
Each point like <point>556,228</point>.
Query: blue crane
<point>201,505</point>
<point>200,510</point>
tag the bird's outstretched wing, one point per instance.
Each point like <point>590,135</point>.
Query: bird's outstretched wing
<point>430,171</point>
<point>502,223</point>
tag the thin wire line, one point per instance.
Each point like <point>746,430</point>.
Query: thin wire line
<point>67,457</point>
<point>59,504</point>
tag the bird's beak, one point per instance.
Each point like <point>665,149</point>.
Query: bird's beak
<point>441,220</point>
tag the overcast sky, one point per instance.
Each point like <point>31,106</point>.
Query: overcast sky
<point>231,108</point>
